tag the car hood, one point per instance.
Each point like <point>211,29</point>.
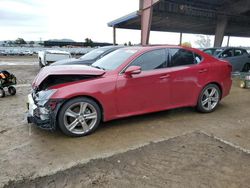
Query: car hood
<point>82,70</point>
<point>73,61</point>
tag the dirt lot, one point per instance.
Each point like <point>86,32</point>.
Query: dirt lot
<point>192,160</point>
<point>28,152</point>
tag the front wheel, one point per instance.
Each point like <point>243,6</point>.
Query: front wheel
<point>209,98</point>
<point>79,117</point>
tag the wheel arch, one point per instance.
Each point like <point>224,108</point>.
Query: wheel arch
<point>86,96</point>
<point>219,86</point>
<point>215,83</point>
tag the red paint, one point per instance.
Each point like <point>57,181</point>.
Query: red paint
<point>121,95</point>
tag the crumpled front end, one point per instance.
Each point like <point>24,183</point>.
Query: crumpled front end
<point>43,105</point>
<point>42,110</point>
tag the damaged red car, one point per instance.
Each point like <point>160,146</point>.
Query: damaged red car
<point>129,81</point>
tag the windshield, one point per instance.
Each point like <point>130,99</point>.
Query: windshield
<point>218,51</point>
<point>93,54</point>
<point>114,59</point>
<point>213,51</point>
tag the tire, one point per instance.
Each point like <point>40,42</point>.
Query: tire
<point>74,117</point>
<point>209,98</point>
<point>12,90</point>
<point>2,93</point>
<point>246,68</point>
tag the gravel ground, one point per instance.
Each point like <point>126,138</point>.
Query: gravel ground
<point>192,160</point>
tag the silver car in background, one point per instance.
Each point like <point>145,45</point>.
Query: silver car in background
<point>238,57</point>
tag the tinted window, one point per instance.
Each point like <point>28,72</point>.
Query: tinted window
<point>227,53</point>
<point>114,59</point>
<point>179,57</point>
<point>239,52</point>
<point>155,59</point>
<point>209,51</point>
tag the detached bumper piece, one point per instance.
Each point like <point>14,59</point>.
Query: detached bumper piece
<point>44,117</point>
<point>43,124</point>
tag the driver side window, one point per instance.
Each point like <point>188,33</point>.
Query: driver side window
<point>227,53</point>
<point>155,59</point>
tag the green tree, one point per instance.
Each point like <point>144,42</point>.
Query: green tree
<point>20,41</point>
<point>89,42</point>
<point>31,43</point>
<point>129,43</point>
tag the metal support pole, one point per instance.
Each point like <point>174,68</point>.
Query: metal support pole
<point>220,30</point>
<point>114,35</point>
<point>228,40</point>
<point>146,10</point>
<point>180,39</point>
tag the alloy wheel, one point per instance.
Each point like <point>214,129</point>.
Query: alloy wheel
<point>80,117</point>
<point>210,98</point>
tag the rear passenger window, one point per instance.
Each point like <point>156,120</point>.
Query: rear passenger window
<point>180,57</point>
<point>155,59</point>
<point>238,52</point>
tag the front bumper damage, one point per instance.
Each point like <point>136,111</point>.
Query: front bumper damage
<point>43,116</point>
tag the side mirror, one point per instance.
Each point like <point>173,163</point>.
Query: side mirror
<point>132,70</point>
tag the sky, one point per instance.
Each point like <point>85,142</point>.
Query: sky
<point>79,19</point>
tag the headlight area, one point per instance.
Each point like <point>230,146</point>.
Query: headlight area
<point>42,110</point>
<point>45,105</point>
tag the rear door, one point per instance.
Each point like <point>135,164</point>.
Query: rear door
<point>188,75</point>
<point>241,57</point>
<point>147,91</point>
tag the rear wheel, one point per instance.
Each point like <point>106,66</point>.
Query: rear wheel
<point>12,90</point>
<point>209,98</point>
<point>2,93</point>
<point>246,68</point>
<point>79,117</point>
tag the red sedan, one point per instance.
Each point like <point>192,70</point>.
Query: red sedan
<point>127,82</point>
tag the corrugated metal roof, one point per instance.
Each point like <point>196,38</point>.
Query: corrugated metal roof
<point>193,16</point>
<point>124,19</point>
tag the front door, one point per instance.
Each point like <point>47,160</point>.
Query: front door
<point>147,91</point>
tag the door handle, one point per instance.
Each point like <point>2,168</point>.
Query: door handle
<point>202,70</point>
<point>165,76</point>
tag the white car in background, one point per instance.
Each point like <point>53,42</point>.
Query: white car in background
<point>47,57</point>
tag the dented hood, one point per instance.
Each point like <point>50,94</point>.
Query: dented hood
<point>65,70</point>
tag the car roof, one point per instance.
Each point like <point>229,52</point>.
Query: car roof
<point>110,47</point>
<point>223,48</point>
<point>152,47</point>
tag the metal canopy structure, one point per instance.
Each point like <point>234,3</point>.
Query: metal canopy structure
<point>210,17</point>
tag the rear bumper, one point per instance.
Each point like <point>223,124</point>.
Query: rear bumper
<point>226,87</point>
